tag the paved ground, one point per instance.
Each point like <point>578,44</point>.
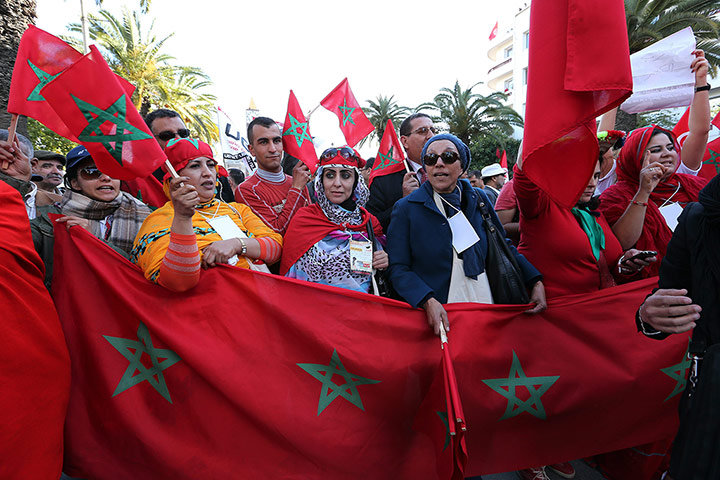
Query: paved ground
<point>582,472</point>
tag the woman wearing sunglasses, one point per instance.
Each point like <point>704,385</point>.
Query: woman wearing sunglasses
<point>332,241</point>
<point>197,229</point>
<point>93,201</point>
<point>428,228</point>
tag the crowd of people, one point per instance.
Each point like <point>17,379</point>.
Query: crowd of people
<point>431,235</point>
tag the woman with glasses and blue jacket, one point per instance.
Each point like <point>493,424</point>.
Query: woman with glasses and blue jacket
<point>436,255</point>
<point>336,241</point>
<point>95,202</point>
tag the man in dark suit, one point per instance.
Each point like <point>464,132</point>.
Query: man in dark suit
<point>385,190</point>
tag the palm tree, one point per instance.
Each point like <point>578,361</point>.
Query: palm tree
<point>382,110</point>
<point>16,16</point>
<point>471,115</point>
<point>137,56</point>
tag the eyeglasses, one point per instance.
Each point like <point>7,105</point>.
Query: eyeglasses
<point>90,173</point>
<point>424,131</point>
<point>168,135</point>
<point>431,159</point>
<point>344,152</point>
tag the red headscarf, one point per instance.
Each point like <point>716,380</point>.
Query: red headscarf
<point>181,150</point>
<point>616,199</point>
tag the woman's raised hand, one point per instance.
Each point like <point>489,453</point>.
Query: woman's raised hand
<point>184,197</point>
<point>650,175</point>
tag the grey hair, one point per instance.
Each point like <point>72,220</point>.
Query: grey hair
<point>25,144</point>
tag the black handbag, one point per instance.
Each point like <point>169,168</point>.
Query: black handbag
<point>696,450</point>
<point>383,284</point>
<point>503,271</point>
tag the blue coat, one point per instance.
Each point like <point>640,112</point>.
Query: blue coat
<point>419,244</point>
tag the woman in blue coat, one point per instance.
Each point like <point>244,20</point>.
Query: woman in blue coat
<point>426,268</point>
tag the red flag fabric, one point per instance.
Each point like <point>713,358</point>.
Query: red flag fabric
<point>353,122</point>
<point>503,160</point>
<point>297,140</point>
<point>40,58</point>
<point>579,66</point>
<point>493,32</point>
<point>170,385</point>
<point>682,128</point>
<point>390,157</point>
<point>147,189</point>
<point>35,373</point>
<point>99,113</point>
<point>711,159</point>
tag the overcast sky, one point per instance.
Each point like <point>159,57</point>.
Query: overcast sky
<point>261,50</point>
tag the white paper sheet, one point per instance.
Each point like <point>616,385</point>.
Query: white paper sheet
<point>661,74</point>
<point>463,233</point>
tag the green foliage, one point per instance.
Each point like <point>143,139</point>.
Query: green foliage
<point>483,150</point>
<point>651,20</point>
<point>662,118</point>
<point>135,53</point>
<point>382,110</point>
<point>472,116</point>
<point>45,139</point>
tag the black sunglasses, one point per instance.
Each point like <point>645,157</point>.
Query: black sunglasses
<point>431,159</point>
<point>344,152</point>
<point>90,173</point>
<point>168,135</point>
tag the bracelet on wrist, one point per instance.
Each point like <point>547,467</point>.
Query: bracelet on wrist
<point>641,204</point>
<point>243,248</point>
<point>703,88</point>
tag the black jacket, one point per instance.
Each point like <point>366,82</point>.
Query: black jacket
<point>384,192</point>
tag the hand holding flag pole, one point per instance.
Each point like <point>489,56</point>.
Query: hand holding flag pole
<point>11,135</point>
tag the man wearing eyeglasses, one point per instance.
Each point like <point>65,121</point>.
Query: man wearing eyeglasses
<point>270,194</point>
<point>385,190</point>
<point>165,125</point>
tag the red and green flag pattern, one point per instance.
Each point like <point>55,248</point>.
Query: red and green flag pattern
<point>390,157</point>
<point>353,122</point>
<point>312,381</point>
<point>99,113</point>
<point>41,57</point>
<point>296,137</point>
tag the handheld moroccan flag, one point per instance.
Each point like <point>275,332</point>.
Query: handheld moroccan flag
<point>353,122</point>
<point>98,111</point>
<point>40,58</point>
<point>389,158</point>
<point>579,68</point>
<point>711,159</point>
<point>296,135</point>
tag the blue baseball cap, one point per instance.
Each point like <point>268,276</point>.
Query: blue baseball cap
<point>76,155</point>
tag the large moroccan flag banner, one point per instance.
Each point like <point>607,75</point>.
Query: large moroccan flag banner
<point>353,122</point>
<point>390,157</point>
<point>579,67</point>
<point>296,135</point>
<point>98,111</point>
<point>40,58</point>
<point>255,376</point>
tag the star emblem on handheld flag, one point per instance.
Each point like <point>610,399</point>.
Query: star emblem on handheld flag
<point>114,114</point>
<point>678,372</point>
<point>331,390</point>
<point>713,160</point>
<point>43,79</point>
<point>537,386</point>
<point>386,159</point>
<point>298,130</point>
<point>346,113</point>
<point>444,419</point>
<point>133,351</point>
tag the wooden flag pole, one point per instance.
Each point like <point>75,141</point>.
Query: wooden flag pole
<point>307,117</point>
<point>407,166</point>
<point>11,135</point>
<point>171,169</point>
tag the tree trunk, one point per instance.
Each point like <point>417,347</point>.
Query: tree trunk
<point>14,18</point>
<point>625,121</point>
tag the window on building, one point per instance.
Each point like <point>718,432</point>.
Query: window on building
<point>525,76</point>
<point>526,40</point>
<point>508,52</point>
<point>509,84</point>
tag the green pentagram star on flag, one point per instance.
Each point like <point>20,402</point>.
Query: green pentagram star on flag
<point>444,419</point>
<point>346,113</point>
<point>331,390</point>
<point>114,114</point>
<point>300,136</point>
<point>386,160</point>
<point>713,160</point>
<point>43,79</point>
<point>537,386</point>
<point>677,372</point>
<point>133,351</point>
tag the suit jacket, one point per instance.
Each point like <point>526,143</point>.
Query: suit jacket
<point>420,244</point>
<point>385,191</point>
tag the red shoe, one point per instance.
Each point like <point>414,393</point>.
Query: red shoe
<point>533,474</point>
<point>564,469</point>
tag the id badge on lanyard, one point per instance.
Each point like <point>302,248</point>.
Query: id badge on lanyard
<point>464,235</point>
<point>361,256</point>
